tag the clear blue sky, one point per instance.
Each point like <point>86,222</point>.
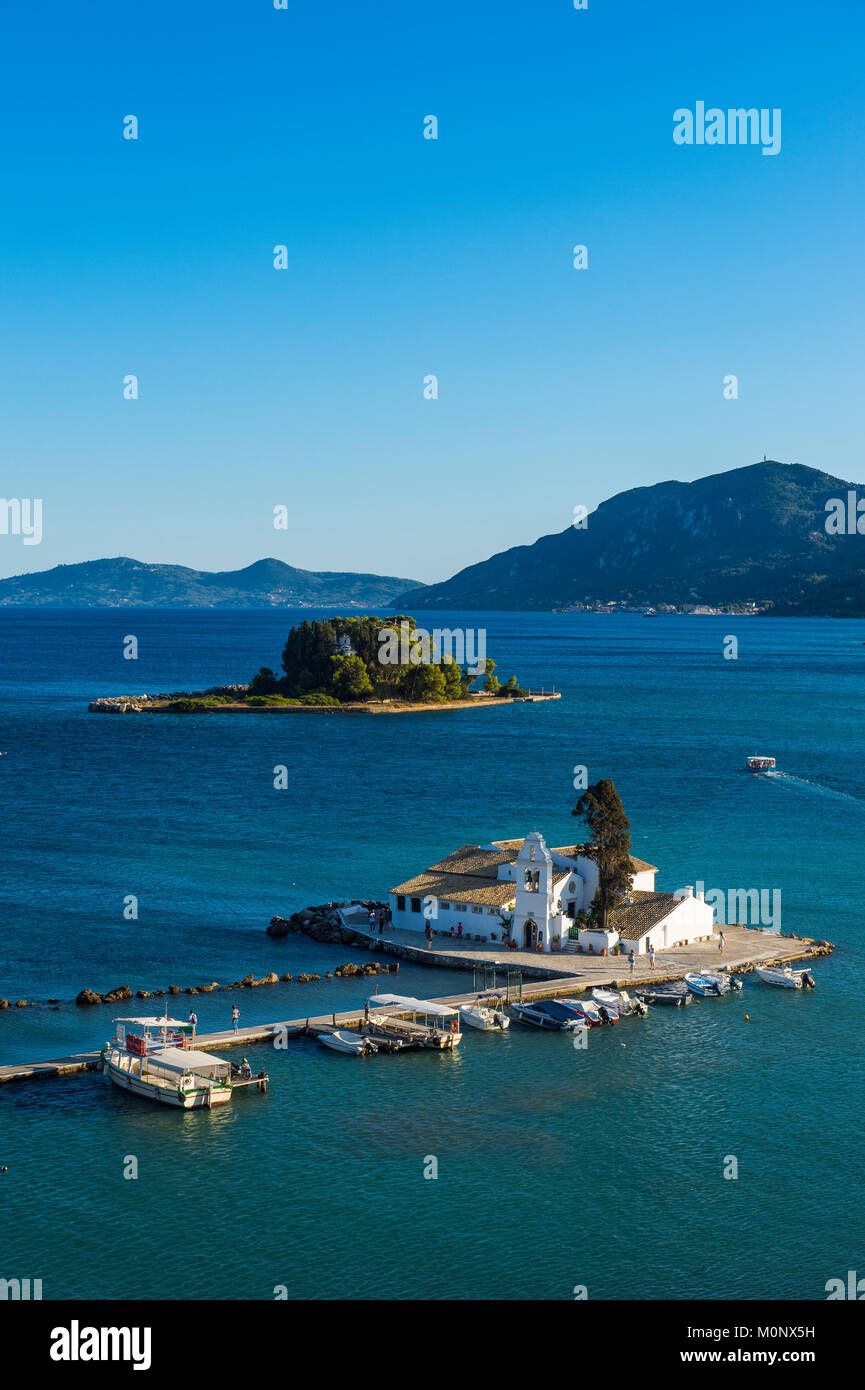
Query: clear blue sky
<point>409,257</point>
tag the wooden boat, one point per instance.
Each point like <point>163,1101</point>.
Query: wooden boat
<point>422,1022</point>
<point>486,1013</point>
<point>675,994</point>
<point>343,1040</point>
<point>785,976</point>
<point>759,763</point>
<point>548,1013</point>
<point>159,1064</point>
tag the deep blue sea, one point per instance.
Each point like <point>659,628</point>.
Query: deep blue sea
<point>556,1167</point>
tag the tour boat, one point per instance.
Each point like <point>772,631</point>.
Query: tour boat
<point>784,976</point>
<point>341,1040</point>
<point>759,763</point>
<point>548,1013</point>
<point>486,1013</point>
<point>421,1022</point>
<point>159,1064</point>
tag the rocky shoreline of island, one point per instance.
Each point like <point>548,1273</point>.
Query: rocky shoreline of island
<point>214,701</point>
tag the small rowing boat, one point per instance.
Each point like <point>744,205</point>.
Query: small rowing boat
<point>675,994</point>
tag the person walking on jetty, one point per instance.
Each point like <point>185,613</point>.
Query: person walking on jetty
<point>459,928</point>
<point>631,961</point>
<point>235,1015</point>
<point>721,942</point>
<point>651,957</point>
<point>381,922</point>
<point>372,919</point>
<point>193,1019</point>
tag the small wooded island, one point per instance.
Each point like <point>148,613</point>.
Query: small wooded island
<point>367,664</point>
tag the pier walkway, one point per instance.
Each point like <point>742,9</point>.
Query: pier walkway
<point>571,974</point>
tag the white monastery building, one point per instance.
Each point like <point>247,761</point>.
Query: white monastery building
<point>539,892</point>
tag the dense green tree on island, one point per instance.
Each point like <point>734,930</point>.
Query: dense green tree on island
<point>265,682</point>
<point>350,660</point>
<point>350,680</point>
<point>609,844</point>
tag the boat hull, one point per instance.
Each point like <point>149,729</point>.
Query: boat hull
<point>782,979</point>
<point>166,1095</point>
<point>484,1019</point>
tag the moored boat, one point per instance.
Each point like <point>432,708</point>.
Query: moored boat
<point>343,1040</point>
<point>159,1064</point>
<point>548,1013</point>
<point>785,976</point>
<point>486,1012</point>
<point>420,1022</point>
<point>699,985</point>
<point>674,994</point>
<point>619,1000</point>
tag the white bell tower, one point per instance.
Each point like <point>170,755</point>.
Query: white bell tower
<point>535,920</point>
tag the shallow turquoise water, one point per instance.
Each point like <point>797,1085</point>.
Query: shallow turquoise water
<point>556,1167</point>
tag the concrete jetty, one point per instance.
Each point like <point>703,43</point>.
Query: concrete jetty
<point>572,975</point>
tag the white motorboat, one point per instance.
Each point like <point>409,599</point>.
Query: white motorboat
<point>719,982</point>
<point>159,1064</point>
<point>486,1012</point>
<point>784,976</point>
<point>342,1040</point>
<point>699,985</point>
<point>620,1000</point>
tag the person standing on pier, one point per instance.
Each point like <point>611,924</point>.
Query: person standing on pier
<point>381,920</point>
<point>235,1015</point>
<point>631,960</point>
<point>721,942</point>
<point>372,919</point>
<point>651,957</point>
<point>193,1019</point>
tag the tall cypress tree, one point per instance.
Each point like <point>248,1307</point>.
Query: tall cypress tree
<point>609,843</point>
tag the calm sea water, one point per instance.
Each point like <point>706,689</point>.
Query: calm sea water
<point>555,1167</point>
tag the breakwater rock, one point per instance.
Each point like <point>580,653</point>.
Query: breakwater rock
<point>322,923</point>
<point>348,970</point>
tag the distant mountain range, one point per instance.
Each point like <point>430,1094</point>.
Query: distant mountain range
<point>756,533</point>
<point>124,583</point>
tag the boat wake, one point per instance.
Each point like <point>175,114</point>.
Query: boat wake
<point>818,788</point>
